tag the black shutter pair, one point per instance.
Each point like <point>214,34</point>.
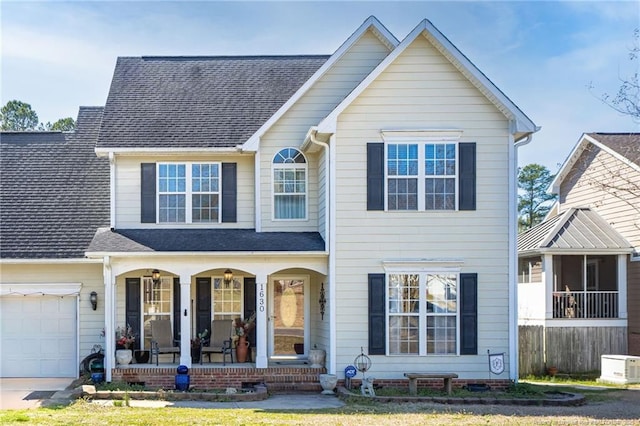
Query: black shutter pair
<point>466,178</point>
<point>148,192</point>
<point>468,288</point>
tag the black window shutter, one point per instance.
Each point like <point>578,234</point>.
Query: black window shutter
<point>176,308</point>
<point>467,178</point>
<point>377,323</point>
<point>250,303</point>
<point>229,192</point>
<point>203,304</point>
<point>468,314</point>
<point>133,307</point>
<point>375,176</point>
<point>148,193</point>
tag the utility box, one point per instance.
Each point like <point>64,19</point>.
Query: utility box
<point>619,369</point>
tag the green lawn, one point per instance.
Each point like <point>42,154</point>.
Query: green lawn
<point>382,414</point>
<point>354,413</point>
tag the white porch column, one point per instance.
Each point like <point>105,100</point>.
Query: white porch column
<point>109,317</point>
<point>622,286</point>
<point>262,321</point>
<point>547,282</point>
<point>185,320</point>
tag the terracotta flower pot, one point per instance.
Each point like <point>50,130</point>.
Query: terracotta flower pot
<point>242,349</point>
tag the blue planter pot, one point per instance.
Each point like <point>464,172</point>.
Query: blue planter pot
<point>97,378</point>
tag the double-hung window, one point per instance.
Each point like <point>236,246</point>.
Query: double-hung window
<point>422,313</point>
<point>227,298</point>
<point>289,185</point>
<point>421,176</point>
<point>189,192</point>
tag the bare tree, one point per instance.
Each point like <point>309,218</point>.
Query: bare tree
<point>621,182</point>
<point>611,179</point>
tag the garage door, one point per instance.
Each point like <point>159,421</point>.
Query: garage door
<point>38,336</point>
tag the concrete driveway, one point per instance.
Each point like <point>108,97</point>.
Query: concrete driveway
<point>13,391</point>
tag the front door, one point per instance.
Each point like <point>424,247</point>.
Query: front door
<point>289,314</point>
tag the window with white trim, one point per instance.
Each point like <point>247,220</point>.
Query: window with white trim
<point>227,298</point>
<point>422,313</point>
<point>189,192</point>
<point>157,299</point>
<point>421,176</point>
<point>289,185</point>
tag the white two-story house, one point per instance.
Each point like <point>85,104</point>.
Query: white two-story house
<point>362,202</point>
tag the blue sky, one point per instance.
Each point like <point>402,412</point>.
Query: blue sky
<point>59,55</point>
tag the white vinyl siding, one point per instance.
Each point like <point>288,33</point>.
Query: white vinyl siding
<point>422,90</point>
<point>128,190</point>
<point>291,129</point>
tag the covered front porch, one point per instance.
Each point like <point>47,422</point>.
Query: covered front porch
<point>286,294</point>
<point>572,267</point>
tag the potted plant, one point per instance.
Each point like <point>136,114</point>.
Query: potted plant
<point>239,338</point>
<point>196,345</point>
<point>125,338</point>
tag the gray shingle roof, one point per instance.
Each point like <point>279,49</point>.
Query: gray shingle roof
<point>578,229</point>
<point>198,102</point>
<point>203,240</point>
<point>625,144</point>
<point>54,191</point>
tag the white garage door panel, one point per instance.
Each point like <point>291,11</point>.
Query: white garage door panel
<point>38,336</point>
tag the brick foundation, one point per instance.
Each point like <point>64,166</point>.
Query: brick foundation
<point>275,378</point>
<point>279,379</point>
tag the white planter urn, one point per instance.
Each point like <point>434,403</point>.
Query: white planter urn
<point>317,357</point>
<point>328,383</point>
<point>124,356</point>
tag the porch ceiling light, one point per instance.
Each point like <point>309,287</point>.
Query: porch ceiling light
<point>228,276</point>
<point>93,298</point>
<point>155,276</point>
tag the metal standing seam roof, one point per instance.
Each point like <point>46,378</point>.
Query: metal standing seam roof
<point>198,102</point>
<point>577,229</point>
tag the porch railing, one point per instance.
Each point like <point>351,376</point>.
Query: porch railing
<point>585,304</point>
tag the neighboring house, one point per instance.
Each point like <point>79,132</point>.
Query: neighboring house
<point>579,270</point>
<point>363,201</point>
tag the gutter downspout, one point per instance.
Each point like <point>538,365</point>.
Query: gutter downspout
<point>514,356</point>
<point>330,244</point>
<point>112,191</point>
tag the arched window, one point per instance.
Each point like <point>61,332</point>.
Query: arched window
<point>289,185</point>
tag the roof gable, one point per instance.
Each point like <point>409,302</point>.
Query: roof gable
<point>623,146</point>
<point>370,24</point>
<point>522,125</point>
<point>577,230</point>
